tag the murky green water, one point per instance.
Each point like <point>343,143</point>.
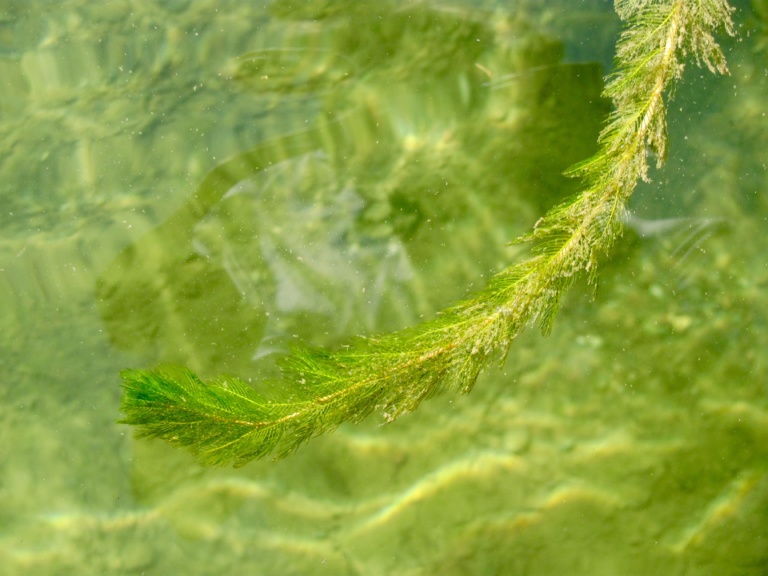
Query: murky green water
<point>205,182</point>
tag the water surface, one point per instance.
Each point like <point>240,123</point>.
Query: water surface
<point>206,182</point>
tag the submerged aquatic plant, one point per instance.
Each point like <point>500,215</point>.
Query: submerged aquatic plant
<point>228,421</point>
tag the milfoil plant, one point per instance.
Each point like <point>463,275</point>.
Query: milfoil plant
<point>227,421</point>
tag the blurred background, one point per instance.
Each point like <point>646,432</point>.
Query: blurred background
<point>204,183</point>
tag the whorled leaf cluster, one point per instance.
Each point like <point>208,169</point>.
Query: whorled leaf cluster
<point>227,420</point>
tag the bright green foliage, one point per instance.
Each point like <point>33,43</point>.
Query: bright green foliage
<point>227,420</point>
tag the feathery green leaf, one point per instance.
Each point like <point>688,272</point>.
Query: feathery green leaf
<point>229,421</point>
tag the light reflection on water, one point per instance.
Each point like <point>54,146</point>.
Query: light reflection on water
<point>196,183</point>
